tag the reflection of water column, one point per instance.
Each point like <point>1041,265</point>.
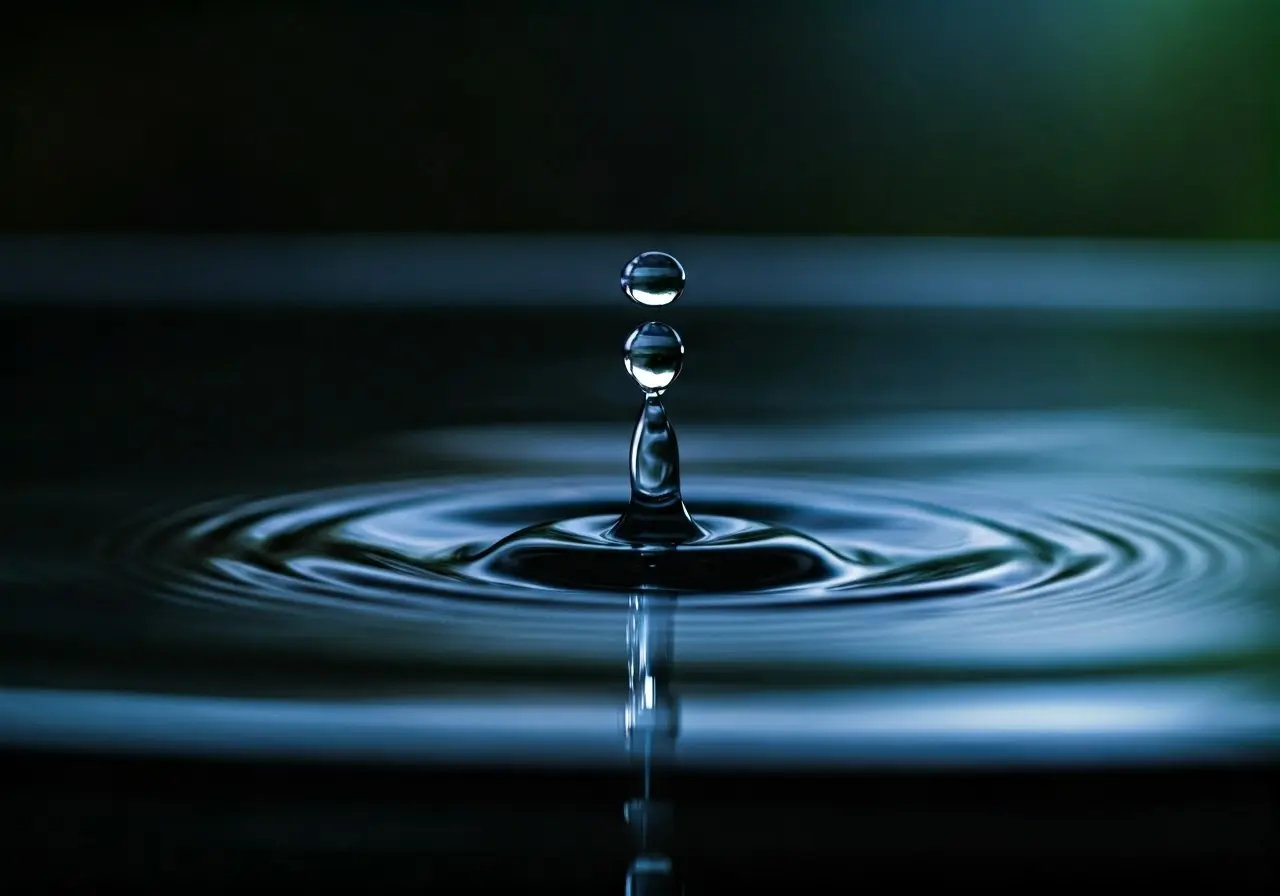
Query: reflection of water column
<point>651,719</point>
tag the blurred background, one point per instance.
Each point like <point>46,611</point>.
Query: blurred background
<point>1151,118</point>
<point>230,263</point>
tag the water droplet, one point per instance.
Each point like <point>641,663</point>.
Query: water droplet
<point>653,355</point>
<point>653,278</point>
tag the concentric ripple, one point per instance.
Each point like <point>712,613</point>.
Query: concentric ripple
<point>1038,568</point>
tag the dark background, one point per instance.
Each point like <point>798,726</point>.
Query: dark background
<point>1006,118</point>
<point>1035,117</point>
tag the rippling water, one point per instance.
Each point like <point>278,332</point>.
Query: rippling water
<point>1087,584</point>
<point>952,537</point>
<point>1046,565</point>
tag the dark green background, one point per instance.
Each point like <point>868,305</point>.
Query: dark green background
<point>1036,117</point>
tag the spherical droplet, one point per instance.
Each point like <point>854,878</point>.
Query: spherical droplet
<point>653,278</point>
<point>653,356</point>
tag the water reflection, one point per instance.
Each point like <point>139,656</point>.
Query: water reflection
<point>1108,594</point>
<point>652,723</point>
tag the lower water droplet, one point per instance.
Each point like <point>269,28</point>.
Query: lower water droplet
<point>653,355</point>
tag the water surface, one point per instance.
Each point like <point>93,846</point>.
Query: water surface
<point>1051,526</point>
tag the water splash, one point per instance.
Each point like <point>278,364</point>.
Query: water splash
<point>1106,577</point>
<point>656,514</point>
<point>1031,569</point>
<point>866,593</point>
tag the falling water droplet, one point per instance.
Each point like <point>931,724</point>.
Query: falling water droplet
<point>653,355</point>
<point>653,278</point>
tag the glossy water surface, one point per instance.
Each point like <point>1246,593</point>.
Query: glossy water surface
<point>927,538</point>
<point>1062,595</point>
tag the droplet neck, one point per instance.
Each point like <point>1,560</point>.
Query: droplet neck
<point>656,514</point>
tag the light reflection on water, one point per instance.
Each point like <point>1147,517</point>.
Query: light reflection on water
<point>1160,647</point>
<point>1141,720</point>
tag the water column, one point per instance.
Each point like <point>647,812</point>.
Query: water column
<point>653,356</point>
<point>655,522</point>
